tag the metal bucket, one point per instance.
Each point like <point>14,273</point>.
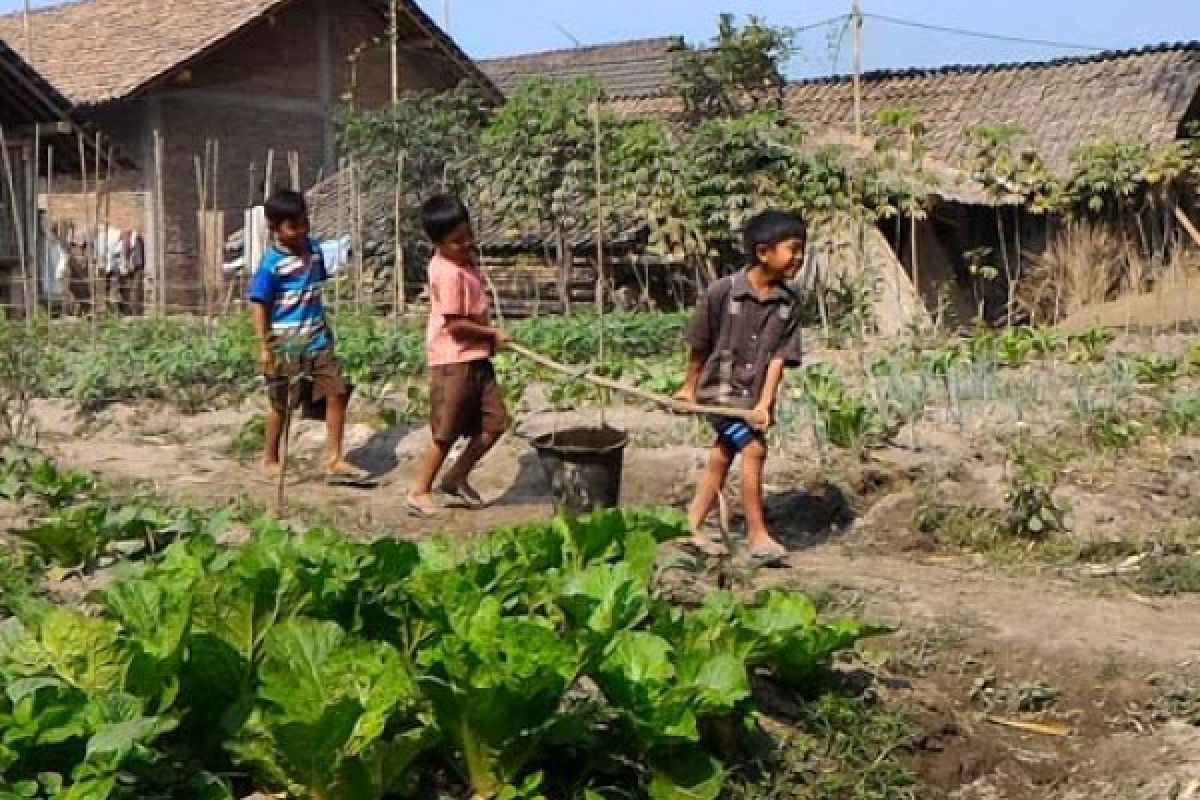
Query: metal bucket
<point>583,466</point>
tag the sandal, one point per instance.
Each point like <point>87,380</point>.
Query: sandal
<point>463,493</point>
<point>421,510</point>
<point>704,547</point>
<point>343,474</point>
<point>772,555</point>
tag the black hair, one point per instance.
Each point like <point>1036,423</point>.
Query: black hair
<point>770,228</point>
<point>441,215</point>
<point>285,205</point>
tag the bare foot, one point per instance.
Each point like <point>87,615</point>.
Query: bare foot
<point>271,468</point>
<point>344,469</point>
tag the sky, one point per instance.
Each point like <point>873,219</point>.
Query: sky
<point>487,28</point>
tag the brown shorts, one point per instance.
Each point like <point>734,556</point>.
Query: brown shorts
<point>311,381</point>
<point>465,400</point>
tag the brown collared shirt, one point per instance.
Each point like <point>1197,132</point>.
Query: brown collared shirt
<point>739,335</point>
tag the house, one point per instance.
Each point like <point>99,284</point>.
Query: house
<point>32,113</point>
<point>249,82</point>
<point>1150,95</point>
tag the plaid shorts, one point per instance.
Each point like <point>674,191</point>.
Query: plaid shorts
<point>734,433</point>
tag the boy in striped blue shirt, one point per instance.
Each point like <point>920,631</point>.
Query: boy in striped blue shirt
<point>285,303</point>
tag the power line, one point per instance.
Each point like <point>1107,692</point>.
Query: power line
<point>981,35</point>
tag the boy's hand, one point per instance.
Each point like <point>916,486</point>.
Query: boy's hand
<point>502,339</point>
<point>760,417</point>
<point>266,360</point>
<point>687,395</point>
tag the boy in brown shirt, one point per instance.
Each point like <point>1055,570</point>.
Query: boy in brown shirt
<point>746,331</point>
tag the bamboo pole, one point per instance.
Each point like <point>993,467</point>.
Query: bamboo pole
<point>215,257</point>
<point>108,170</point>
<point>669,403</point>
<point>36,227</point>
<point>339,216</point>
<point>95,263</point>
<point>600,276</point>
<point>269,174</point>
<point>401,293</point>
<point>360,264</point>
<point>160,222</point>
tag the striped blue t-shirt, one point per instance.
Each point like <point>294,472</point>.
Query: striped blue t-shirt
<point>291,291</point>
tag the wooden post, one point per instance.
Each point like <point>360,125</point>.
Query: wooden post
<point>269,174</point>
<point>339,216</point>
<point>401,293</point>
<point>359,261</point>
<point>35,210</point>
<point>160,222</point>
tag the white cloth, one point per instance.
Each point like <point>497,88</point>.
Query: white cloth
<point>336,253</point>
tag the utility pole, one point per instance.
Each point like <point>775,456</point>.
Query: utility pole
<point>28,35</point>
<point>446,15</point>
<point>394,46</point>
<point>856,22</point>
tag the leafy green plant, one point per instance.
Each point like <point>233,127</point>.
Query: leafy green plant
<point>1156,369</point>
<point>1034,511</point>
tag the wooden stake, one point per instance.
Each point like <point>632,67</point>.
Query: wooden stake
<point>600,276</point>
<point>269,174</point>
<point>339,215</point>
<point>36,227</point>
<point>360,265</point>
<point>401,293</point>
<point>160,222</point>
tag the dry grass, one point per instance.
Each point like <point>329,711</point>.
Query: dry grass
<point>1083,265</point>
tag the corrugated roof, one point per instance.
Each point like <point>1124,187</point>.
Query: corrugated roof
<point>1141,94</point>
<point>95,51</point>
<point>638,68</point>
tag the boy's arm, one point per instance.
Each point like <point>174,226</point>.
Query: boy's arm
<point>691,379</point>
<point>701,337</point>
<point>467,328</point>
<point>260,316</point>
<point>770,390</point>
<point>262,293</point>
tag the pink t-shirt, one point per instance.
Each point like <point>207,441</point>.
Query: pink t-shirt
<point>454,291</point>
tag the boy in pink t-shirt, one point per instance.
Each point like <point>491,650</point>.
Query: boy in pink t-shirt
<point>465,399</point>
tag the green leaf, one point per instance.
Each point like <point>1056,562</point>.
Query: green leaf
<point>689,774</point>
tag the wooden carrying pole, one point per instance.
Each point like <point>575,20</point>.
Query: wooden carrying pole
<point>669,403</point>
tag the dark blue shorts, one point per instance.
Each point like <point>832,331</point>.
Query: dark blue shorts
<point>733,433</point>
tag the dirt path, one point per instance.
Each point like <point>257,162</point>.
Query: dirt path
<point>1104,654</point>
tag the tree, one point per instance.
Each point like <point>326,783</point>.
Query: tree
<point>1013,180</point>
<point>538,171</point>
<point>741,71</point>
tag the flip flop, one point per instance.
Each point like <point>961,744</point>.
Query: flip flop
<point>351,476</point>
<point>703,547</point>
<point>419,511</point>
<point>463,493</point>
<point>771,556</point>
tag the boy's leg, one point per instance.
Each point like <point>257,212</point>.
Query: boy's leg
<point>421,494</point>
<point>712,481</point>
<point>329,385</point>
<point>754,459</point>
<point>277,402</point>
<point>274,433</point>
<point>490,421</point>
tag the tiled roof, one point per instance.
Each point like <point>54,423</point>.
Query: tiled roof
<point>95,51</point>
<point>1134,94</point>
<point>1137,94</point>
<point>640,68</point>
